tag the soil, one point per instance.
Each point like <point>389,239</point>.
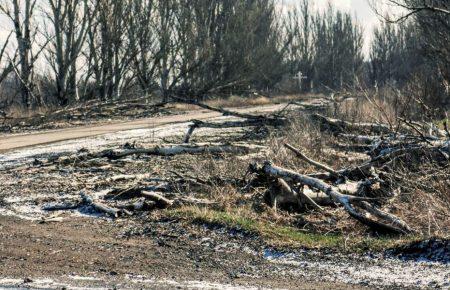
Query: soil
<point>110,255</point>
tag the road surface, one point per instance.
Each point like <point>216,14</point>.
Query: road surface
<point>15,141</point>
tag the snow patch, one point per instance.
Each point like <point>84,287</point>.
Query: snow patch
<point>372,271</point>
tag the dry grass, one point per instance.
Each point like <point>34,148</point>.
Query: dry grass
<point>423,202</point>
<point>252,101</point>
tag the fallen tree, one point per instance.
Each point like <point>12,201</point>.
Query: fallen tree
<point>176,149</point>
<point>356,207</point>
<point>196,124</point>
<point>341,126</point>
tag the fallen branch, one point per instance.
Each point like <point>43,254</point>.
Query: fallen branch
<point>385,221</point>
<point>298,195</point>
<point>170,150</point>
<point>161,201</point>
<point>113,212</point>
<point>302,156</point>
<point>269,121</point>
<point>341,126</point>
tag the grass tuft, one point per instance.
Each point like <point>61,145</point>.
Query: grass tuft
<point>275,235</point>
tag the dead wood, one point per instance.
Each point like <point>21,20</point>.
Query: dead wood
<point>61,207</point>
<point>380,221</point>
<point>176,149</point>
<point>140,205</point>
<point>341,126</point>
<point>364,139</point>
<point>113,212</point>
<point>291,194</point>
<point>318,165</point>
<point>161,201</point>
<point>269,121</point>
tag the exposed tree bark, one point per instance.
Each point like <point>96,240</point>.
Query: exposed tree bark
<point>299,196</point>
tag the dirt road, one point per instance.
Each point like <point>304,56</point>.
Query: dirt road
<point>15,141</point>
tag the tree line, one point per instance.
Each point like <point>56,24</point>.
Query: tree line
<point>60,52</point>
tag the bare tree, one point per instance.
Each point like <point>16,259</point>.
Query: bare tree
<point>143,34</point>
<point>431,20</point>
<point>20,13</point>
<point>8,67</point>
<point>300,55</point>
<point>338,42</point>
<point>68,20</point>
<point>109,54</point>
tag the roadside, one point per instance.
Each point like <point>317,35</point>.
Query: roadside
<point>225,236</point>
<point>14,141</point>
<point>96,113</point>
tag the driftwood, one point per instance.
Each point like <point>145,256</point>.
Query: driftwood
<point>372,217</point>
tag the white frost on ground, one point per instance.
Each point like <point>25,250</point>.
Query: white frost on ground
<point>130,282</point>
<point>27,155</point>
<point>29,208</point>
<point>372,272</point>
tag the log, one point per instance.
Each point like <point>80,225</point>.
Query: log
<point>233,124</point>
<point>298,195</point>
<point>341,126</point>
<point>171,150</point>
<point>385,224</point>
<point>161,201</point>
<point>61,207</point>
<point>113,212</point>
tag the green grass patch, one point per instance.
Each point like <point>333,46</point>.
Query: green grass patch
<point>285,236</point>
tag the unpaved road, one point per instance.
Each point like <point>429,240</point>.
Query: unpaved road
<point>101,254</point>
<point>15,141</point>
